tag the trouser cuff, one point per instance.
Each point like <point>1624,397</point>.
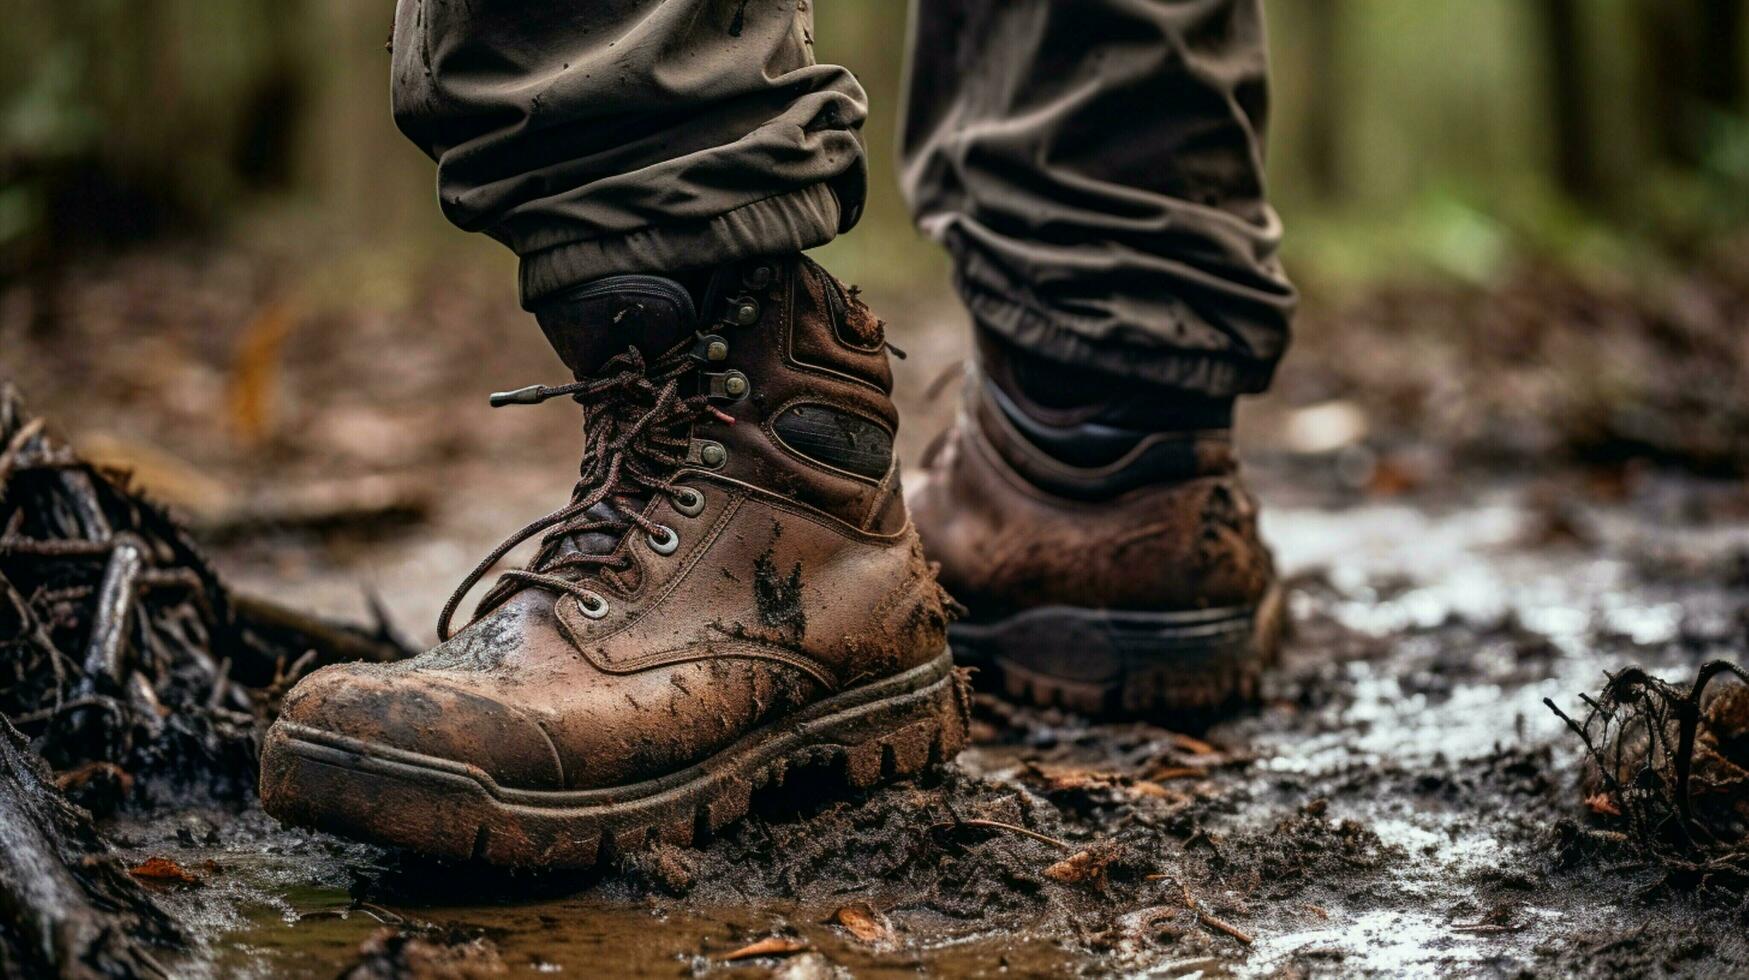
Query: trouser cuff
<point>789,222</point>
<point>1137,356</point>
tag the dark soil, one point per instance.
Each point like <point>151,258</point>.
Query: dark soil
<point>1403,804</point>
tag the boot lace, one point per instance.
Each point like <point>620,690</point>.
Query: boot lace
<point>636,428</point>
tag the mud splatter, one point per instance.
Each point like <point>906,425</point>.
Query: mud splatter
<point>779,597</point>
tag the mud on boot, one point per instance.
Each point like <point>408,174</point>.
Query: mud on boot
<point>734,589</point>
<point>1102,542</point>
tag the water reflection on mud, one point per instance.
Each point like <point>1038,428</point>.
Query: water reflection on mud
<point>1407,724</point>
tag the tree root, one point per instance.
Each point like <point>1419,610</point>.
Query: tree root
<point>127,666</point>
<point>118,642</point>
<point>66,905</point>
<point>1670,766</point>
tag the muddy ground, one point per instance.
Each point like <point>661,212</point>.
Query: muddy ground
<point>1404,803</point>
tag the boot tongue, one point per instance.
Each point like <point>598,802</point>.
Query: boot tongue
<point>600,319</point>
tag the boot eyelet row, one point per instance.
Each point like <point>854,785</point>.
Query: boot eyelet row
<point>729,386</point>
<point>593,604</point>
<point>688,502</point>
<point>667,543</point>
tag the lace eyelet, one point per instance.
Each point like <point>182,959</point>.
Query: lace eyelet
<point>688,502</point>
<point>667,544</point>
<point>593,604</point>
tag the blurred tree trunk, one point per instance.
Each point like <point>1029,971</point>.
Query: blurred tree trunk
<point>1561,26</point>
<point>1691,66</point>
<point>1323,106</point>
<point>1665,109</point>
<point>1721,80</point>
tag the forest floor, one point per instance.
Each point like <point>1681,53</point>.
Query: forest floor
<point>1462,508</point>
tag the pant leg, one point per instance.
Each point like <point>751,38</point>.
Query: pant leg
<point>604,136</point>
<point>1096,170</point>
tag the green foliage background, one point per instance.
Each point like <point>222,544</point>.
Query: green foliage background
<point>1410,135</point>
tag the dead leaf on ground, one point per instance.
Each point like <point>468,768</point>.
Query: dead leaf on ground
<point>163,871</point>
<point>1082,868</point>
<point>1602,804</point>
<point>255,373</point>
<point>769,946</point>
<point>864,922</point>
<point>1069,779</point>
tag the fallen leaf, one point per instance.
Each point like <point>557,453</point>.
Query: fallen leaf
<point>769,946</point>
<point>74,780</point>
<point>1604,804</point>
<point>164,871</point>
<point>1081,868</point>
<point>1067,779</point>
<point>1393,478</point>
<point>255,373</point>
<point>864,922</point>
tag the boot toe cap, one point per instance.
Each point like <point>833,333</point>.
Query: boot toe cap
<point>420,718</point>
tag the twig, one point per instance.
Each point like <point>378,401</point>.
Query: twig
<point>1016,829</point>
<point>1195,746</point>
<point>1485,928</point>
<point>1220,925</point>
<point>14,449</point>
<point>1210,921</point>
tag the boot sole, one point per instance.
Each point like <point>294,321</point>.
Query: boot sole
<point>1181,669</point>
<point>878,732</point>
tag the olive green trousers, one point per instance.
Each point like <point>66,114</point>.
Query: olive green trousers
<point>1094,167</point>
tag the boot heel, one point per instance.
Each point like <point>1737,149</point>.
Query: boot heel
<point>1181,669</point>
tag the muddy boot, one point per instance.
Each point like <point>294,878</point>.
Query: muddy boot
<point>734,592</point>
<point>1102,542</point>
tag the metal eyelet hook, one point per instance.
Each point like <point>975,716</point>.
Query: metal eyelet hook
<point>688,502</point>
<point>667,544</point>
<point>745,312</point>
<point>593,604</point>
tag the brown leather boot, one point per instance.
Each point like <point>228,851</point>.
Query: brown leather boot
<point>733,590</point>
<point>1102,542</point>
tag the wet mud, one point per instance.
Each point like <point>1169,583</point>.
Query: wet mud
<point>1403,803</point>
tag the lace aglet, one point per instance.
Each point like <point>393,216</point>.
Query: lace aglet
<point>531,395</point>
<point>722,416</point>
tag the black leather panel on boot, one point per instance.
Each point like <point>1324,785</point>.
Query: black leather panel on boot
<point>1089,436</point>
<point>599,319</point>
<point>836,438</point>
<point>1093,462</point>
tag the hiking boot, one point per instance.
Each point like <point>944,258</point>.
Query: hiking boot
<point>1102,541</point>
<point>733,591</point>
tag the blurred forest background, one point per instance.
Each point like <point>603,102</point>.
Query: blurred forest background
<point>1522,227</point>
<point>1445,135</point>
